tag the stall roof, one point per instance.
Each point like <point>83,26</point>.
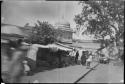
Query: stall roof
<point>12,30</point>
<point>84,46</point>
<point>52,46</point>
<point>60,47</point>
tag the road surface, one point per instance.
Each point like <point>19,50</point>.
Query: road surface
<point>104,73</point>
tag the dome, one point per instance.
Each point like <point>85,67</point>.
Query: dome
<point>63,25</point>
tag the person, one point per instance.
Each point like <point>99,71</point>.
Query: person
<point>89,60</point>
<point>71,53</point>
<point>98,56</point>
<point>26,67</point>
<point>14,56</point>
<point>76,57</point>
<point>122,57</point>
<point>83,58</point>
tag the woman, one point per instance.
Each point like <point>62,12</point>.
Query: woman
<point>89,60</point>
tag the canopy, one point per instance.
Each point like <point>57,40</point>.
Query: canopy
<point>52,46</point>
<point>59,47</point>
<point>88,46</point>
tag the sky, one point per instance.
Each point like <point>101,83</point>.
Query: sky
<point>29,11</point>
<point>22,12</point>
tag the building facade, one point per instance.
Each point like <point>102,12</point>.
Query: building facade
<point>64,32</point>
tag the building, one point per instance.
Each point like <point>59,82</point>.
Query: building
<point>64,32</point>
<point>9,31</point>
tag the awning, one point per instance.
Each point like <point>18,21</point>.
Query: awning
<point>64,45</point>
<point>52,46</point>
<point>86,46</point>
<point>60,47</point>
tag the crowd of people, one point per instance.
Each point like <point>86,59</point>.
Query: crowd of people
<point>85,59</point>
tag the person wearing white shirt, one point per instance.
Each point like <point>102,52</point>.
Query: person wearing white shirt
<point>88,61</point>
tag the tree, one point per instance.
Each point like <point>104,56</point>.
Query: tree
<point>27,24</point>
<point>102,17</point>
<point>42,33</point>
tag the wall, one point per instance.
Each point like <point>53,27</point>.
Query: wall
<point>63,35</point>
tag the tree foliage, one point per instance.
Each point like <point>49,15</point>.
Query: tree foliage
<point>42,33</point>
<point>102,17</point>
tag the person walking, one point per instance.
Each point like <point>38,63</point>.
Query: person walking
<point>14,67</point>
<point>88,61</point>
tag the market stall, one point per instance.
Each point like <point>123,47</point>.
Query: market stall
<point>47,55</point>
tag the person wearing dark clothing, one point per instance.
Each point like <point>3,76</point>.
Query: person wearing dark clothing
<point>76,58</point>
<point>83,58</point>
<point>122,58</point>
<point>12,61</point>
<point>60,59</point>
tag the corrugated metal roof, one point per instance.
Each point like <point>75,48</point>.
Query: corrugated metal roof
<point>12,30</point>
<point>52,46</point>
<point>86,46</point>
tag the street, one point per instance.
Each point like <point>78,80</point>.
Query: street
<point>104,73</point>
<point>60,75</point>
